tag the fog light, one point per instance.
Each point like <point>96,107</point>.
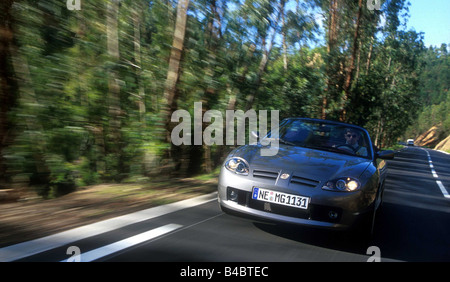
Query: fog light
<point>233,195</point>
<point>332,215</point>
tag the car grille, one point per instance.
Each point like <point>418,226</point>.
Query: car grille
<point>265,174</point>
<point>295,179</point>
<point>304,181</point>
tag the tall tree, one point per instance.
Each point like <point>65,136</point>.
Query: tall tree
<point>137,20</point>
<point>8,85</point>
<point>267,32</point>
<point>115,111</point>
<point>170,89</point>
<point>353,57</point>
<point>332,9</point>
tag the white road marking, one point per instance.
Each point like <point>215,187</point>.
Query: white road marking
<point>126,243</point>
<point>29,248</point>
<point>134,240</point>
<point>443,152</point>
<point>443,190</point>
<point>435,175</point>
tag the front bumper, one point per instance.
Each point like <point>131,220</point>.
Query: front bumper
<point>326,209</point>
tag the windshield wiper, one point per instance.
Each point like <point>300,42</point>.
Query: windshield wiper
<point>329,149</point>
<point>287,142</point>
<point>337,150</point>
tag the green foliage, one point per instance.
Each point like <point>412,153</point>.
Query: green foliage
<point>433,90</point>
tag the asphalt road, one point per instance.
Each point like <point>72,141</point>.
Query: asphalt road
<point>413,225</point>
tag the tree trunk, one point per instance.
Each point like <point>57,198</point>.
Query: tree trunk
<point>333,11</point>
<point>379,132</point>
<point>283,34</point>
<point>170,88</point>
<point>112,34</point>
<point>351,67</point>
<point>262,67</point>
<point>332,30</point>
<point>210,91</point>
<point>8,86</point>
<point>323,114</point>
<point>355,48</point>
<point>113,134</point>
<point>358,64</point>
<point>137,59</point>
<point>369,56</point>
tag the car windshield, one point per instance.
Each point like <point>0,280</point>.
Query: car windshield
<point>321,135</point>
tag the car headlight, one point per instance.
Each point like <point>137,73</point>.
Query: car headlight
<point>237,165</point>
<point>346,184</point>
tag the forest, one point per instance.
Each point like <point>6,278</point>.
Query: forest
<point>88,87</point>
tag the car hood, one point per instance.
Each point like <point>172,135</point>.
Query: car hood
<point>310,163</point>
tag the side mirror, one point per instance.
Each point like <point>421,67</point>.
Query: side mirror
<point>385,155</point>
<point>255,134</point>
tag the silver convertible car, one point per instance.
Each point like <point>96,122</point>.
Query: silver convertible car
<point>325,174</point>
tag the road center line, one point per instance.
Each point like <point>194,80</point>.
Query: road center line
<point>126,243</point>
<point>435,175</point>
<point>137,239</point>
<point>443,190</point>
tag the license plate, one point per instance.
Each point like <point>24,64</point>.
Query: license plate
<point>290,200</point>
